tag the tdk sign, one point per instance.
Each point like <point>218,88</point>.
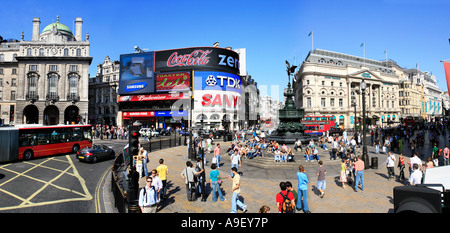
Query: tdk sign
<point>217,81</point>
<point>135,86</point>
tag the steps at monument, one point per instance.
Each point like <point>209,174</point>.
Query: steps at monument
<point>267,162</point>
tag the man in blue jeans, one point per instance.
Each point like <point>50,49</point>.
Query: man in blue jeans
<point>236,189</point>
<point>302,190</point>
<point>359,168</point>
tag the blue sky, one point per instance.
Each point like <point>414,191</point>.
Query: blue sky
<point>271,31</point>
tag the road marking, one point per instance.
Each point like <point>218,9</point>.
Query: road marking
<point>26,202</point>
<point>98,209</point>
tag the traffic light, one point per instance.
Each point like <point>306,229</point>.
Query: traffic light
<point>11,113</point>
<point>133,140</point>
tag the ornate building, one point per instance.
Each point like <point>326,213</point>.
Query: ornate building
<point>51,75</point>
<point>327,82</point>
<point>103,106</point>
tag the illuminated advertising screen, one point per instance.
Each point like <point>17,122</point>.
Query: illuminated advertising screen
<point>169,82</point>
<point>136,73</point>
<point>216,91</point>
<point>197,58</point>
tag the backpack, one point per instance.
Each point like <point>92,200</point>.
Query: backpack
<point>287,206</point>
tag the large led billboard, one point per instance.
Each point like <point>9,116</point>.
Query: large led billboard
<point>197,58</point>
<point>217,91</point>
<point>136,73</point>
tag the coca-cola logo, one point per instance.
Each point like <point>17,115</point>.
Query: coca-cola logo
<point>196,58</point>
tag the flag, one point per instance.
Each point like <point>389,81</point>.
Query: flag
<point>310,34</point>
<point>362,45</point>
<point>385,51</point>
<point>447,73</point>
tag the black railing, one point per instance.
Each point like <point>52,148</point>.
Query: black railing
<point>119,180</point>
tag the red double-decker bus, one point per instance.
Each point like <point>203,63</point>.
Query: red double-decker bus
<point>25,142</point>
<point>318,124</point>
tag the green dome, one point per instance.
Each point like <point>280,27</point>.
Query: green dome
<point>59,26</point>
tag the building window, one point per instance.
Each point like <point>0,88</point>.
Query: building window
<point>332,102</point>
<point>323,83</point>
<point>14,71</point>
<point>78,52</point>
<point>73,87</point>
<point>308,102</point>
<point>29,52</point>
<point>66,52</point>
<point>13,95</point>
<point>2,57</point>
<point>32,87</point>
<point>1,71</point>
<point>33,67</point>
<point>14,82</point>
<point>341,103</point>
<point>322,102</point>
<point>41,52</point>
<point>1,95</point>
<point>73,68</point>
<point>307,82</point>
<point>53,86</point>
<point>53,68</point>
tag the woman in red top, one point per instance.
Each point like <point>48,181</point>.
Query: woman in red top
<point>401,165</point>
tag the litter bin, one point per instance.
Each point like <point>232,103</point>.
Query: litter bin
<point>374,163</point>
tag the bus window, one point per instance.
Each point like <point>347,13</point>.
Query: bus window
<point>64,136</point>
<point>76,135</point>
<point>27,139</point>
<point>87,134</point>
<point>43,138</point>
<point>54,137</point>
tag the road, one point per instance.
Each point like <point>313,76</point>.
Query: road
<point>56,184</point>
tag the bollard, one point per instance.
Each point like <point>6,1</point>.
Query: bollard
<point>374,163</point>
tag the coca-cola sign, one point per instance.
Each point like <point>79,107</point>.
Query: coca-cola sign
<point>198,58</point>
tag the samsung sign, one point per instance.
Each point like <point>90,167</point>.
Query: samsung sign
<point>136,73</point>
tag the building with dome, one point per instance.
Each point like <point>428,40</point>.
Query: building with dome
<point>48,76</point>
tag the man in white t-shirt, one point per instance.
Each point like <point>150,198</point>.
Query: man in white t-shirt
<point>235,160</point>
<point>415,160</point>
<point>390,163</point>
<point>416,176</point>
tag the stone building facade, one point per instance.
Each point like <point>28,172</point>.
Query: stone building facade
<point>51,75</point>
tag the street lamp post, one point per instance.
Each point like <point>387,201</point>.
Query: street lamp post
<point>365,155</point>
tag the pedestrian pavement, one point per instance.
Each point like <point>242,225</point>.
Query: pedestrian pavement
<point>259,186</point>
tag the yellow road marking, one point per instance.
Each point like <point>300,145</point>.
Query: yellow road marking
<point>26,202</point>
<point>97,193</point>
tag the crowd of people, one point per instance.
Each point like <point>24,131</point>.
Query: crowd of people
<point>109,132</point>
<point>389,141</point>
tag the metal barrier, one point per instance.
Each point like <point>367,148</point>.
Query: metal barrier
<point>154,145</point>
<point>119,182</point>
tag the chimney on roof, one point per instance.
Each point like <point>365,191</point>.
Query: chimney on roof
<point>78,28</point>
<point>36,29</point>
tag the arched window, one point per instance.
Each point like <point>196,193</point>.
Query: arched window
<point>29,52</point>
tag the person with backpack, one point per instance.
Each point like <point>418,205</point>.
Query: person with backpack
<point>285,200</point>
<point>148,197</point>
